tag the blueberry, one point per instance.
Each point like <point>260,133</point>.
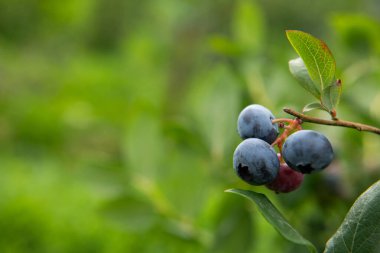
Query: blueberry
<point>256,162</point>
<point>287,180</point>
<point>307,151</point>
<point>255,121</point>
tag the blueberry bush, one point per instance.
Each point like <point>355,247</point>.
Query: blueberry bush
<point>304,151</point>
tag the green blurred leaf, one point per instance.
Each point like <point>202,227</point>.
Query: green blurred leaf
<point>274,217</point>
<point>222,45</point>
<point>314,106</point>
<point>130,213</point>
<point>331,95</point>
<point>316,55</point>
<point>298,69</point>
<point>358,32</point>
<point>360,231</point>
<point>234,230</point>
<point>248,26</point>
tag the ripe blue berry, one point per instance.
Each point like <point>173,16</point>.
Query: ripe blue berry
<point>287,180</point>
<point>255,121</point>
<point>256,162</point>
<point>307,151</point>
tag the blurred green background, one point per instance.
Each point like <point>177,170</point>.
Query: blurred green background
<point>118,121</point>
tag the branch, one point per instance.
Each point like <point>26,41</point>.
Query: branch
<point>342,123</point>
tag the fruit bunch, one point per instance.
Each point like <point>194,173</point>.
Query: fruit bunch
<point>300,151</point>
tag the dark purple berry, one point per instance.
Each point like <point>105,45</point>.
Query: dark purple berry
<point>256,162</point>
<point>307,151</point>
<point>255,121</point>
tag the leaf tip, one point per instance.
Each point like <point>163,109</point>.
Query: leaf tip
<point>290,31</point>
<point>293,31</point>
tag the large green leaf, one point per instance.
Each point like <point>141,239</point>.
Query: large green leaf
<point>360,230</point>
<point>274,217</point>
<point>299,71</point>
<point>316,55</point>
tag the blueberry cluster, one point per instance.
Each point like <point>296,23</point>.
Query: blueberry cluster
<point>256,162</point>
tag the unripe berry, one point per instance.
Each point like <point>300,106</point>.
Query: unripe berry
<point>287,180</point>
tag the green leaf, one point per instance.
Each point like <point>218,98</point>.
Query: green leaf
<point>274,217</point>
<point>331,95</point>
<point>298,70</point>
<point>318,59</point>
<point>314,106</point>
<point>360,230</point>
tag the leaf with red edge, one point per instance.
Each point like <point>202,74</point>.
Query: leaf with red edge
<point>317,57</point>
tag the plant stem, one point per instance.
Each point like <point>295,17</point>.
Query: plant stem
<point>342,123</point>
<point>281,120</point>
<point>294,125</point>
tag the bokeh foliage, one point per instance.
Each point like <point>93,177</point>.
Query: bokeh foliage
<point>118,121</point>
